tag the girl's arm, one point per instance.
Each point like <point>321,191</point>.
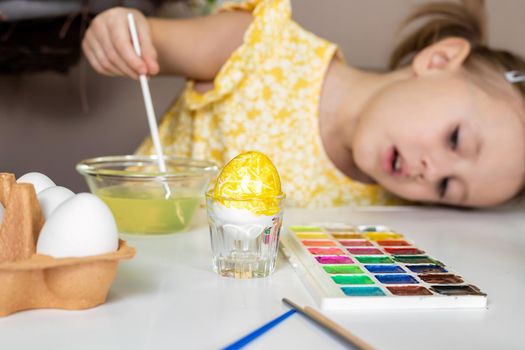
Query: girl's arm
<point>195,48</point>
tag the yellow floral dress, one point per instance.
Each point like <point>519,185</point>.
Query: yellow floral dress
<point>266,98</point>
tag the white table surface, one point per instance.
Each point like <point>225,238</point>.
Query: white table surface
<point>168,297</point>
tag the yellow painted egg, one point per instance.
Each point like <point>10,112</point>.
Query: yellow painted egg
<point>252,182</point>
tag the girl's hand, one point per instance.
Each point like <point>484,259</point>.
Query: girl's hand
<point>108,47</point>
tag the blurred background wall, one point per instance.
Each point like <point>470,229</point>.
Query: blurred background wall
<point>49,121</point>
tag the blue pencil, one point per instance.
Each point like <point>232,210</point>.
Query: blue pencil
<point>259,331</point>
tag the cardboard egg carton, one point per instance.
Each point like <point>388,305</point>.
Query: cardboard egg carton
<point>31,281</point>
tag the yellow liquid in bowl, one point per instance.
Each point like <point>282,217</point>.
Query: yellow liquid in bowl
<point>147,211</point>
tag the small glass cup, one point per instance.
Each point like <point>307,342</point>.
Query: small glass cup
<point>244,245</point>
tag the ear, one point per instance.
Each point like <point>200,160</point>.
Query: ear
<point>445,55</point>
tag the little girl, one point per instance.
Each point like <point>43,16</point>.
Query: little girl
<point>445,125</point>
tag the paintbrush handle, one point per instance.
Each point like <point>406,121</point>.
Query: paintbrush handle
<point>148,102</point>
<point>335,328</point>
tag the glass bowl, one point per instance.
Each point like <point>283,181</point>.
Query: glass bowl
<point>144,200</point>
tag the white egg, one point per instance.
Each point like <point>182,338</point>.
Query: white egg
<point>81,226</point>
<point>1,213</point>
<point>52,197</point>
<point>38,180</point>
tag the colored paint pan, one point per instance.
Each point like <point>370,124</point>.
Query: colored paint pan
<point>311,235</point>
<point>381,236</point>
<point>356,243</point>
<point>334,259</point>
<point>341,229</point>
<point>319,243</point>
<point>352,279</point>
<point>374,259</point>
<point>426,268</point>
<point>347,235</point>
<point>408,259</point>
<point>393,243</point>
<point>384,269</point>
<point>373,228</point>
<point>326,251</point>
<point>408,290</point>
<point>441,278</point>
<point>306,229</point>
<point>342,269</point>
<point>457,290</point>
<point>365,251</point>
<point>363,291</point>
<point>404,251</point>
<point>396,279</point>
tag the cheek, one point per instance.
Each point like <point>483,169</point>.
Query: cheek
<point>408,190</point>
<point>394,118</point>
<point>366,148</point>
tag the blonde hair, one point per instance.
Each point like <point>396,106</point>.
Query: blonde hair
<point>466,20</point>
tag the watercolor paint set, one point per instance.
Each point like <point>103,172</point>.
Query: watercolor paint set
<point>373,267</point>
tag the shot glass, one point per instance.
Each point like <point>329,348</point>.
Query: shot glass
<point>244,244</point>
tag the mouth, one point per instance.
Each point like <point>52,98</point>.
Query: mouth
<point>392,163</point>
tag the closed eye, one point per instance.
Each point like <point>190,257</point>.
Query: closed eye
<point>453,141</point>
<point>442,187</point>
<point>454,138</point>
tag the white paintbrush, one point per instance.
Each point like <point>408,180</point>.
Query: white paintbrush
<point>150,112</point>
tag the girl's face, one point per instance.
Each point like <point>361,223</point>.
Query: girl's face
<point>441,138</point>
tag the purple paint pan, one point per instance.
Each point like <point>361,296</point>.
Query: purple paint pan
<point>334,259</point>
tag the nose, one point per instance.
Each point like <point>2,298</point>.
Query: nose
<point>433,169</point>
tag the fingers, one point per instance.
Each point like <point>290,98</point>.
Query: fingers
<point>96,57</point>
<point>92,59</point>
<point>111,44</point>
<point>108,47</point>
<point>126,52</point>
<point>149,53</point>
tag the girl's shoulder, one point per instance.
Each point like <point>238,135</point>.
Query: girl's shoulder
<point>270,47</point>
<point>259,8</point>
